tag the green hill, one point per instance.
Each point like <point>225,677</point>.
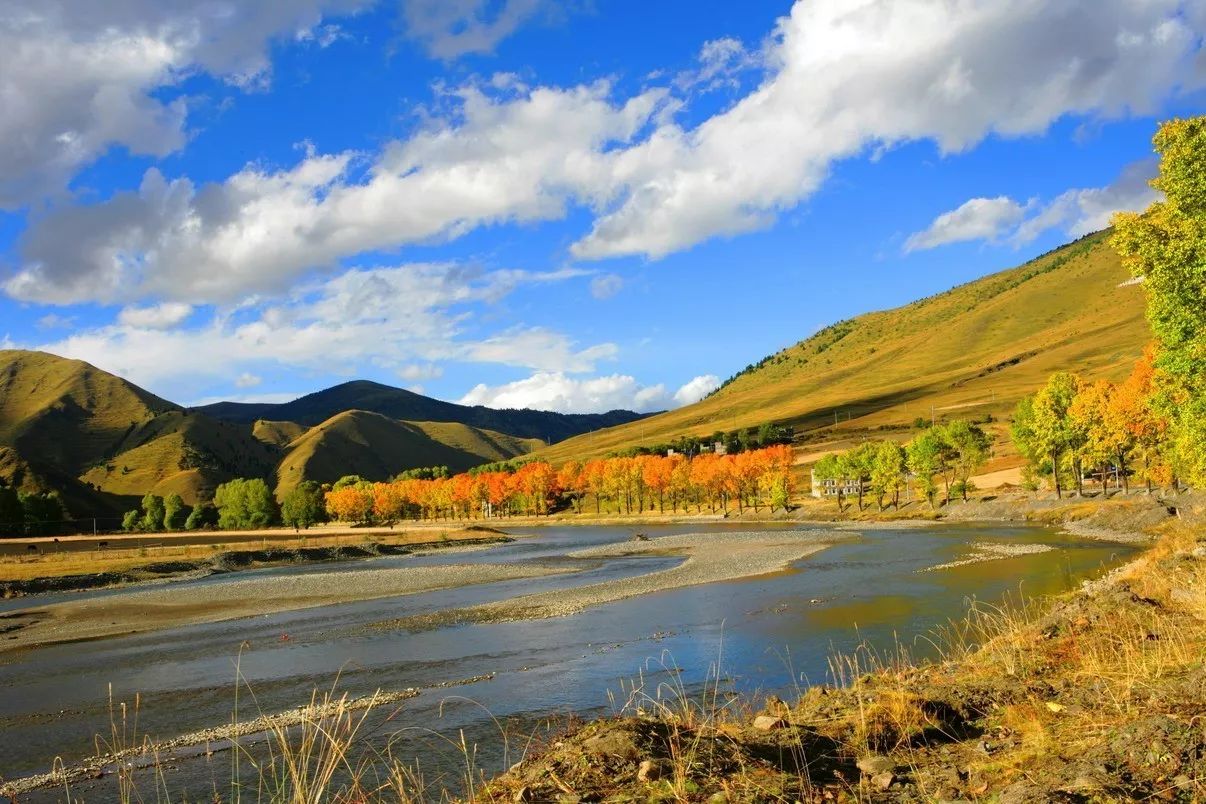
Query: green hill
<point>377,447</point>
<point>971,351</point>
<point>397,403</point>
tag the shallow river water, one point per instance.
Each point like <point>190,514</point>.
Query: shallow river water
<point>770,634</point>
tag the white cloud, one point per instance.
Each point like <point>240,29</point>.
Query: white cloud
<point>696,389</point>
<point>79,77</point>
<point>1074,212</point>
<point>977,219</point>
<point>519,160</point>
<point>1079,212</point>
<point>393,318</point>
<point>606,286</point>
<point>56,321</point>
<point>555,391</point>
<point>420,371</point>
<point>160,316</point>
<point>451,28</point>
<point>248,380</point>
<point>842,77</point>
<point>848,75</point>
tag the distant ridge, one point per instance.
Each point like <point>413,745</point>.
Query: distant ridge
<point>398,403</point>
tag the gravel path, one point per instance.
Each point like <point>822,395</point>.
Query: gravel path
<point>171,605</point>
<point>991,551</point>
<point>710,557</point>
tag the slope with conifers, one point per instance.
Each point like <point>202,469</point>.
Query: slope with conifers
<point>377,447</point>
<point>970,352</point>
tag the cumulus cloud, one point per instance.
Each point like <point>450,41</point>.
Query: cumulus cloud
<point>696,389</point>
<point>402,318</point>
<point>79,77</point>
<point>606,286</point>
<point>840,77</point>
<point>260,230</point>
<point>558,392</point>
<point>1075,212</point>
<point>160,316</point>
<point>977,219</point>
<point>451,28</point>
<point>848,75</point>
<point>248,380</point>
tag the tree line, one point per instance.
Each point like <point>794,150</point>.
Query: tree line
<point>942,456</point>
<point>620,484</point>
<point>30,513</point>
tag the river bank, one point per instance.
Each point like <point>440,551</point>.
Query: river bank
<point>1096,695</point>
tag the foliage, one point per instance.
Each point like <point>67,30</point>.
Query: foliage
<point>304,505</point>
<point>630,484</point>
<point>43,513</point>
<point>132,520</point>
<point>12,514</point>
<point>174,515</point>
<point>245,503</point>
<point>153,512</point>
<point>1166,245</point>
<point>202,516</point>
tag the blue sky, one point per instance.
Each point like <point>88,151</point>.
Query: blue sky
<point>573,206</point>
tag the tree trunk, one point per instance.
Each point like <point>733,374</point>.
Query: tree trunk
<point>1122,478</point>
<point>1059,494</point>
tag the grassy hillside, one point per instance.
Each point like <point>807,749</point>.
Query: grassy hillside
<point>377,447</point>
<point>278,434</point>
<point>99,440</point>
<point>971,351</point>
<point>396,403</point>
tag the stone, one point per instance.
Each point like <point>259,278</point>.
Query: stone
<point>883,780</point>
<point>769,723</point>
<point>614,744</point>
<point>650,770</point>
<point>873,764</point>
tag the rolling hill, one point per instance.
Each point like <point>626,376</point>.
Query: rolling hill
<point>397,403</point>
<point>103,442</point>
<point>377,447</point>
<point>971,351</point>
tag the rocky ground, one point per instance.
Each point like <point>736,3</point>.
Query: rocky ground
<point>1096,696</point>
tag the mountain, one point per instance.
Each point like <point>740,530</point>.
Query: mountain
<point>396,403</point>
<point>377,447</point>
<point>98,439</point>
<point>971,351</point>
<point>103,442</point>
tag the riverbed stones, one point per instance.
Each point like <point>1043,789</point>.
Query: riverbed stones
<point>650,770</point>
<point>873,764</point>
<point>883,780</point>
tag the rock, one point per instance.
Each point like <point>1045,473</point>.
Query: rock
<point>615,744</point>
<point>650,770</point>
<point>769,723</point>
<point>883,780</point>
<point>873,764</point>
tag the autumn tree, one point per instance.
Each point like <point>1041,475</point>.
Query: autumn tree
<point>1042,429</point>
<point>829,468</point>
<point>1166,246</point>
<point>855,465</point>
<point>924,456</point>
<point>969,448</point>
<point>887,471</point>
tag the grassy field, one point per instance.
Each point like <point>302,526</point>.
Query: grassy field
<point>60,560</point>
<point>970,352</point>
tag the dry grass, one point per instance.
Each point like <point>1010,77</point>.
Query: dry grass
<point>127,559</point>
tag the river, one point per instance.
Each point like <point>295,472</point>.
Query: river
<point>773,633</point>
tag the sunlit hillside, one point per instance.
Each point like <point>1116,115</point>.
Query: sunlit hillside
<point>972,351</point>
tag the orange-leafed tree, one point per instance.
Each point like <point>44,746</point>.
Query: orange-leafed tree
<point>351,503</point>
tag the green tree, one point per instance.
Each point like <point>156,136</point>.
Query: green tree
<point>173,512</point>
<point>12,515</point>
<point>202,516</point>
<point>132,521</point>
<point>924,457</point>
<point>969,447</point>
<point>245,503</point>
<point>855,465</point>
<point>304,506</point>
<point>887,472</point>
<point>152,513</point>
<point>1042,428</point>
<point>830,468</point>
<point>1166,245</point>
<point>43,513</point>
